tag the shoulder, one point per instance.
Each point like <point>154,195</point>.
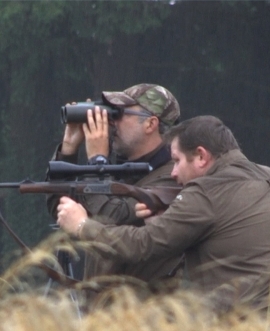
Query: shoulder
<point>264,168</point>
<point>159,177</point>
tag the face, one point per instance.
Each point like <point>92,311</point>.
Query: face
<point>185,169</point>
<point>129,134</point>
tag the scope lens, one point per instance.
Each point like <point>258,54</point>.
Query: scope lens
<point>63,115</point>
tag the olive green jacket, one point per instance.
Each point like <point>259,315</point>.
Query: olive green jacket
<point>221,221</point>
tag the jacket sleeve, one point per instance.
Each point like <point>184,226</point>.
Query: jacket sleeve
<point>189,219</point>
<point>52,200</point>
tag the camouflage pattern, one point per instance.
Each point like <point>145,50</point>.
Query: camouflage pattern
<point>154,98</point>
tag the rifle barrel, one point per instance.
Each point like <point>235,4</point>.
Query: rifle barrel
<point>16,184</point>
<point>10,185</point>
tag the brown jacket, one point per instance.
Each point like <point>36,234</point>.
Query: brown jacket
<point>119,211</point>
<point>221,221</point>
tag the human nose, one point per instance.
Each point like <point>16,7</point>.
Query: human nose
<point>173,172</point>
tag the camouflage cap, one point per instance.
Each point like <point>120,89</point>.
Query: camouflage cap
<point>154,98</point>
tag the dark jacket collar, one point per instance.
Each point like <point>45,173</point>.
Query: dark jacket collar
<point>156,158</point>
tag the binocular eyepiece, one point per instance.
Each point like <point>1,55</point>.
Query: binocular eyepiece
<point>77,113</point>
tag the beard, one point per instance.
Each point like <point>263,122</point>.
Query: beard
<point>121,149</point>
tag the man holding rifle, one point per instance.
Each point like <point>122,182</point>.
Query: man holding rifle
<point>220,219</point>
<point>147,111</point>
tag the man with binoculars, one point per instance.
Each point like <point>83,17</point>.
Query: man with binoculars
<point>125,126</point>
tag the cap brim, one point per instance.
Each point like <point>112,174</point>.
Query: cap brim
<point>118,99</point>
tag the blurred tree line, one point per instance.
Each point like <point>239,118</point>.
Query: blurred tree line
<point>213,55</point>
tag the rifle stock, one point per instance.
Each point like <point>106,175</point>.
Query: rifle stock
<point>156,198</point>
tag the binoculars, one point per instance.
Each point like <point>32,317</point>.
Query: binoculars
<point>77,113</point>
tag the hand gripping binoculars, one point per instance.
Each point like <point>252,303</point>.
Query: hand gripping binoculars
<point>77,113</point>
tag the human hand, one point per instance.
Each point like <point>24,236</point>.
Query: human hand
<point>73,137</point>
<point>96,133</point>
<point>70,215</point>
<point>142,211</point>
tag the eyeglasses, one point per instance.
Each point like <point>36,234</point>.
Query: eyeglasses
<point>125,111</point>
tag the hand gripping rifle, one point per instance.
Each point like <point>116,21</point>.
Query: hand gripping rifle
<point>156,198</point>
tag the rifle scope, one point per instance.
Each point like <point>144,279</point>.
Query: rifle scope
<point>61,169</point>
<point>77,113</point>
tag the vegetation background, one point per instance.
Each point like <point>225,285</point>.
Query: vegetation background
<point>213,55</point>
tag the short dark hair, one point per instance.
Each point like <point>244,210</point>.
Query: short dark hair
<point>206,131</point>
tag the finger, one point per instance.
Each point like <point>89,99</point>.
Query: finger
<point>88,100</point>
<point>105,121</point>
<point>59,218</point>
<point>64,199</point>
<point>98,118</point>
<point>85,128</point>
<point>90,119</point>
<point>140,206</point>
<point>143,213</point>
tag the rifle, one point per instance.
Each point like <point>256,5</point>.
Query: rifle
<point>61,170</point>
<point>156,198</point>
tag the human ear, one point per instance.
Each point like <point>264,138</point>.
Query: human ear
<point>203,156</point>
<point>151,124</point>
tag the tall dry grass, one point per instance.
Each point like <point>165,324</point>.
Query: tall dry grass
<point>121,303</point>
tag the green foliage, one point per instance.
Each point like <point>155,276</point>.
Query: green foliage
<point>46,50</point>
<point>103,20</point>
<point>35,32</point>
